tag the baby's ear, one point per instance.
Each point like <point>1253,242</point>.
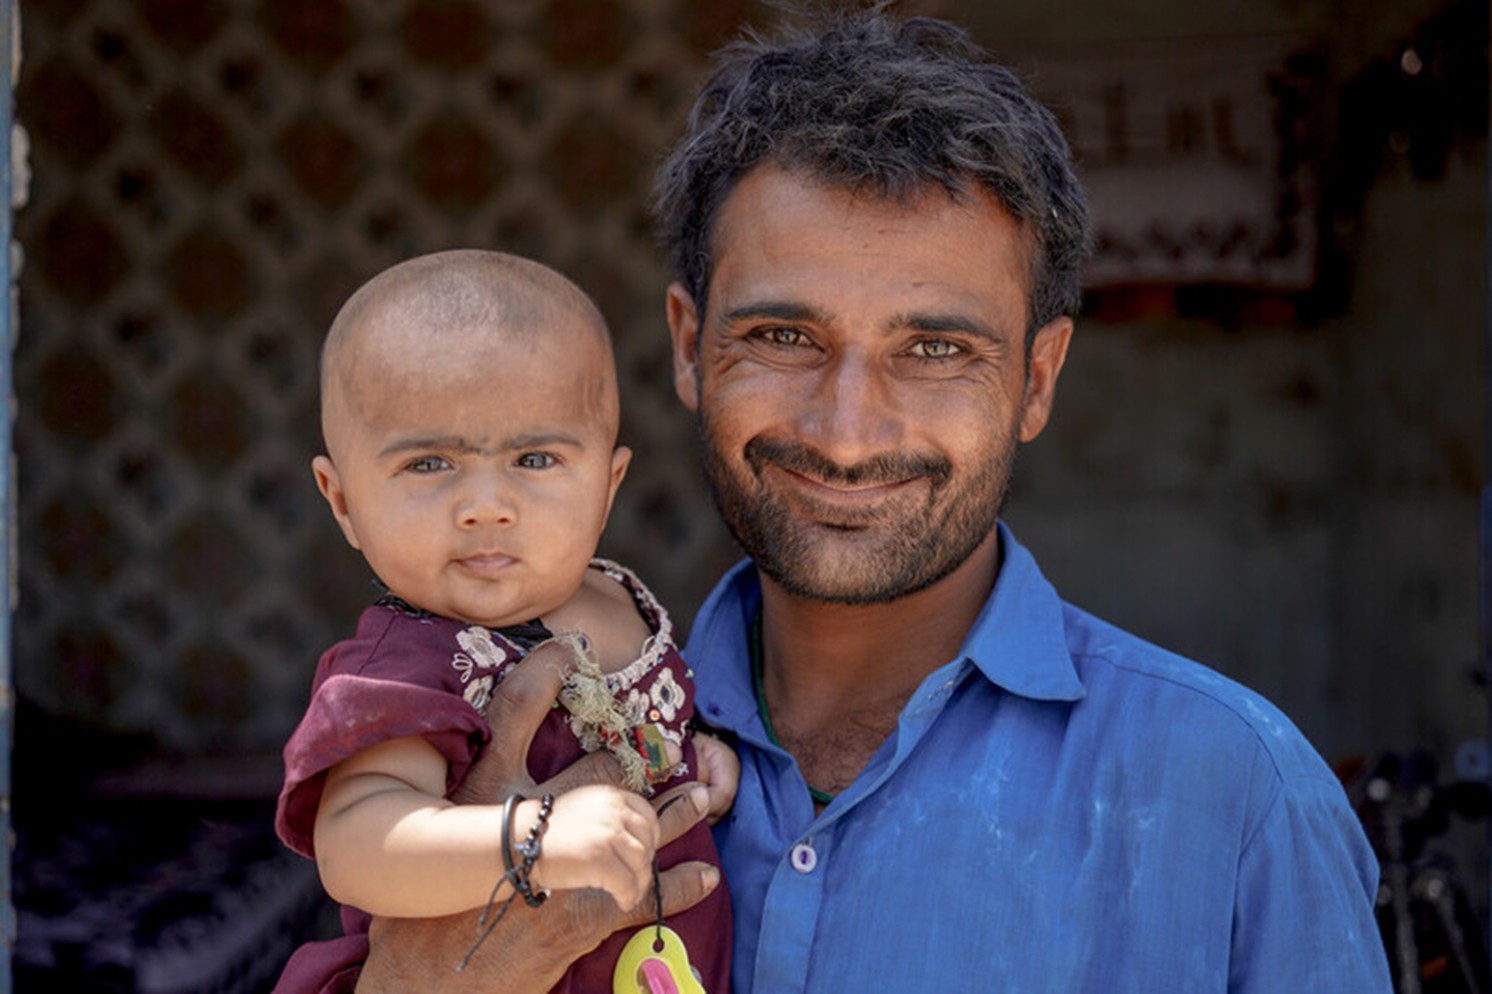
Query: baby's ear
<point>621,458</point>
<point>330,485</point>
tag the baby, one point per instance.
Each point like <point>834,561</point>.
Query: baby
<point>470,414</point>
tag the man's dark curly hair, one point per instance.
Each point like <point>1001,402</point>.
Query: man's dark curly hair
<point>870,102</point>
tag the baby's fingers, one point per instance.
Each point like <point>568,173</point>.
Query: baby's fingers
<point>719,771</point>
<point>628,872</point>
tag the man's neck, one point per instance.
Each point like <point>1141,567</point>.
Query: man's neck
<point>835,677</point>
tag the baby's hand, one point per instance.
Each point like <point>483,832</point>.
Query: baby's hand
<point>598,836</point>
<point>719,770</point>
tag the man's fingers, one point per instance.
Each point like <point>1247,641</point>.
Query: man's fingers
<point>687,884</point>
<point>523,699</point>
<point>519,704</point>
<point>592,768</point>
<point>597,767</point>
<point>680,809</point>
<point>682,886</point>
<point>525,694</point>
<point>530,952</point>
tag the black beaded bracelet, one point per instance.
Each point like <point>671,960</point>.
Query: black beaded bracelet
<point>530,850</point>
<point>493,913</point>
<point>509,806</point>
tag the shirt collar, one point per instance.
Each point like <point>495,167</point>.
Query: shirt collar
<point>718,652</point>
<point>1018,641</point>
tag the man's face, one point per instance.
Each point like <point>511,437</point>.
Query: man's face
<point>861,381</point>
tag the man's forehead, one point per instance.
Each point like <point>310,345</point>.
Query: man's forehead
<point>796,238</point>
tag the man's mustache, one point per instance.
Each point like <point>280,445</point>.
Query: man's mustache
<point>892,467</point>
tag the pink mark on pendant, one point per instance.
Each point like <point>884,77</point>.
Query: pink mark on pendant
<point>654,977</point>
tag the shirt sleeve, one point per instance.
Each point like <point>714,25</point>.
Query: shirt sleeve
<point>1303,913</point>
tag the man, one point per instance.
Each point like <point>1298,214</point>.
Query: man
<point>950,778</point>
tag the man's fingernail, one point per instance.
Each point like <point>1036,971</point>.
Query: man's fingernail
<point>700,798</point>
<point>710,876</point>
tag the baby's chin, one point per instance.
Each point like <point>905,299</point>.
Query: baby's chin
<point>509,617</point>
<point>495,622</point>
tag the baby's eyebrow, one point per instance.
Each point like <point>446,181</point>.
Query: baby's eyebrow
<point>425,443</point>
<point>465,446</point>
<point>540,440</point>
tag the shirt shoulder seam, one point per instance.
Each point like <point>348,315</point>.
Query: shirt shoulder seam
<point>1279,768</point>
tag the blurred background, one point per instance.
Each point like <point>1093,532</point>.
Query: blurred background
<point>1267,453</point>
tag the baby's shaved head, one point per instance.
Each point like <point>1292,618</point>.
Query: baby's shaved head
<point>456,290</point>
<point>470,412</point>
<point>461,304</point>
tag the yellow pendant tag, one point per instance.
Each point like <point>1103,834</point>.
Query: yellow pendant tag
<point>654,961</point>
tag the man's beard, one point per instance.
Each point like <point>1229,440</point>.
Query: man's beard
<point>898,548</point>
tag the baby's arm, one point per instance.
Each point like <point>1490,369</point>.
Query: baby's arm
<point>387,842</point>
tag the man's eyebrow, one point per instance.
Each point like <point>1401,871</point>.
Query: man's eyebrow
<point>466,446</point>
<point>776,310</point>
<point>930,323</point>
<point>943,324</point>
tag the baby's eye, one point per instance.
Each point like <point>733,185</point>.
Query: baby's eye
<point>935,348</point>
<point>428,464</point>
<point>536,460</point>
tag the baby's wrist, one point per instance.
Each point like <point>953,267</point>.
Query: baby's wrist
<point>524,822</point>
<point>518,863</point>
<point>525,812</point>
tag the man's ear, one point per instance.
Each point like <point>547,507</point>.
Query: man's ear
<point>1048,353</point>
<point>683,328</point>
<point>330,485</point>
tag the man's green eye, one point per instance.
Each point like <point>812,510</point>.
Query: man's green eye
<point>935,348</point>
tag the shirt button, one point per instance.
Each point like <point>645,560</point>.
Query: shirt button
<point>803,858</point>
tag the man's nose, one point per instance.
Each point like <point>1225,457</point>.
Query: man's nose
<point>851,414</point>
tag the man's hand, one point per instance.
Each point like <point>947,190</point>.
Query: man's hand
<point>533,947</point>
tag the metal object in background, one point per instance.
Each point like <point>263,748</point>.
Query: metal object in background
<point>1434,940</point>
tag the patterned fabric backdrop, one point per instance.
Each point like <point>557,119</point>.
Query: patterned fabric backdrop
<point>211,178</point>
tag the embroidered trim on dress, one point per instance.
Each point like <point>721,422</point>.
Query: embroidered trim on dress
<point>486,654</point>
<point>656,645</point>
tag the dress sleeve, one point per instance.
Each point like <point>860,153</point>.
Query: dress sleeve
<point>350,712</point>
<point>1303,913</point>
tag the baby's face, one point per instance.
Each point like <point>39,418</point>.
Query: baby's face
<point>476,480</point>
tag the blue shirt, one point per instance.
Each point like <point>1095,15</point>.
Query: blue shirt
<point>1061,808</point>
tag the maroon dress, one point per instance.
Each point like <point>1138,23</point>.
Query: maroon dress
<point>407,672</point>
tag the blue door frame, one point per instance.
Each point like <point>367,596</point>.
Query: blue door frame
<point>9,46</point>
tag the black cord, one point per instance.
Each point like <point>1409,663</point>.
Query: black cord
<point>531,849</point>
